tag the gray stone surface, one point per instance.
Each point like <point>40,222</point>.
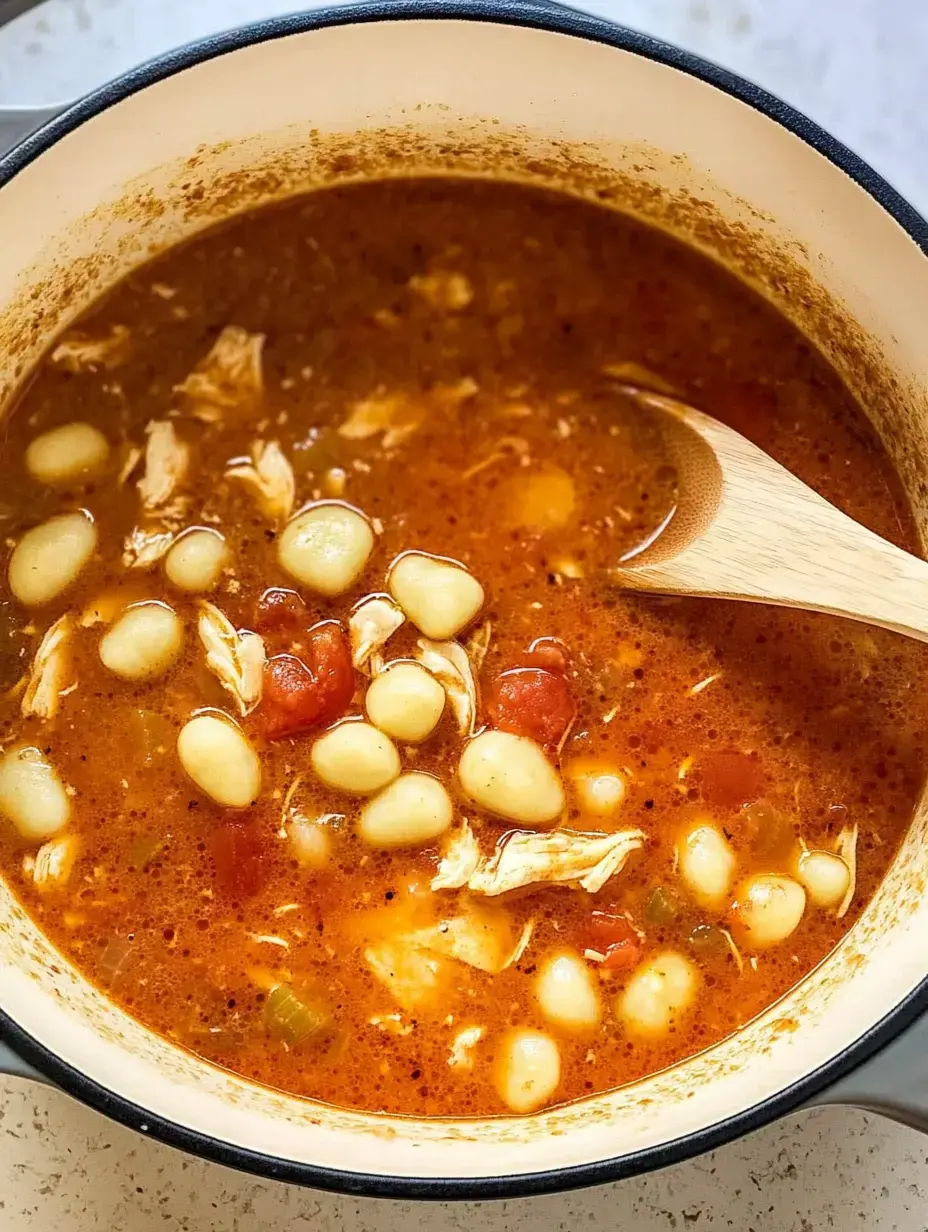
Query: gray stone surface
<point>858,68</point>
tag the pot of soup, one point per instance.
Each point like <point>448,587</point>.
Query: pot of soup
<point>358,827</point>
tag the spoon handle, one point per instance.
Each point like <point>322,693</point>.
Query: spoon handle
<point>751,530</point>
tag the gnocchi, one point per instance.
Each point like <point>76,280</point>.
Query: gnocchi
<point>406,702</point>
<point>219,759</point>
<point>439,596</point>
<point>356,758</point>
<point>510,777</point>
<point>768,910</point>
<point>567,994</point>
<point>528,1070</point>
<point>825,877</point>
<point>326,547</point>
<point>142,643</point>
<point>32,796</point>
<point>67,455</point>
<point>707,864</point>
<point>413,810</point>
<point>50,557</point>
<point>196,559</point>
<point>658,994</point>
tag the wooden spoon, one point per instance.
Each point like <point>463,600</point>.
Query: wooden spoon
<point>745,528</point>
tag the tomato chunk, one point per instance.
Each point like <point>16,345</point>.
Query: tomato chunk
<point>280,610</point>
<point>615,937</point>
<point>731,779</point>
<point>533,702</point>
<point>302,693</point>
<point>239,858</point>
<point>549,653</point>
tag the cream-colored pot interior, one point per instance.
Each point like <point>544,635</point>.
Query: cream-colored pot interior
<point>462,95</point>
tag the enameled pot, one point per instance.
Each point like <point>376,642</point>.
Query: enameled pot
<point>554,97</point>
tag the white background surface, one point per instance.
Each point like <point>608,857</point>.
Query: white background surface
<point>858,68</point>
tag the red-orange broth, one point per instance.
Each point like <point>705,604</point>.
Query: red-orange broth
<point>457,361</point>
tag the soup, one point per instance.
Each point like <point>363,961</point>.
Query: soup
<point>333,749</point>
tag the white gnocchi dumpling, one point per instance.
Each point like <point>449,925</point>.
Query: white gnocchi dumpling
<point>144,642</point>
<point>510,777</point>
<point>406,702</point>
<point>825,877</point>
<point>661,990</point>
<point>413,810</point>
<point>439,596</point>
<point>528,1070</point>
<point>50,557</point>
<point>568,993</point>
<point>67,455</point>
<point>707,864</point>
<point>32,796</point>
<point>355,757</point>
<point>215,753</point>
<point>196,559</point>
<point>599,787</point>
<point>769,909</point>
<point>326,547</point>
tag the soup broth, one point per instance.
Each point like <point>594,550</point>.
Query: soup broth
<point>333,749</point>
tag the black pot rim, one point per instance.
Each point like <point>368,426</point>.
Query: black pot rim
<point>539,15</point>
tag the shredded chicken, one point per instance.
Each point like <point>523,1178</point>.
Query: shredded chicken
<point>229,376</point>
<point>53,862</point>
<point>459,861</point>
<point>392,1024</point>
<point>78,353</point>
<point>235,657</point>
<point>638,374</point>
<point>478,644</point>
<point>269,478</point>
<point>462,1048</point>
<point>371,625</point>
<point>391,414</point>
<point>142,549</point>
<point>46,678</point>
<point>561,857</point>
<point>166,462</point>
<point>443,290</point>
<point>413,965</point>
<point>846,847</point>
<point>450,664</point>
<point>412,976</point>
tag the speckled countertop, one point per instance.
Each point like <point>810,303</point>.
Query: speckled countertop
<point>856,66</point>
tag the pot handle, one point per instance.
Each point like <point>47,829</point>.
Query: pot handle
<point>12,1065</point>
<point>893,1082</point>
<point>16,123</point>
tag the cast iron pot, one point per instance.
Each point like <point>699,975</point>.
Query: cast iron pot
<point>555,97</point>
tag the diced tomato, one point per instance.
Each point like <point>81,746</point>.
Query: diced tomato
<point>239,858</point>
<point>730,780</point>
<point>617,938</point>
<point>533,702</point>
<point>308,692</point>
<point>281,610</point>
<point>549,653</point>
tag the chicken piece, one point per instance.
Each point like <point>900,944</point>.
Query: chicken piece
<point>142,549</point>
<point>371,625</point>
<point>269,478</point>
<point>235,657</point>
<point>391,414</point>
<point>46,678</point>
<point>451,666</point>
<point>166,462</point>
<point>229,376</point>
<point>52,864</point>
<point>78,353</point>
<point>521,858</point>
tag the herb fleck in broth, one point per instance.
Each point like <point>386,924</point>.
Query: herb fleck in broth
<point>435,369</point>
